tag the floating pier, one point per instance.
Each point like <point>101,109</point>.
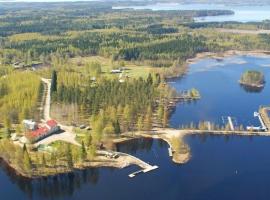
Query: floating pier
<point>263,126</point>
<point>230,123</point>
<point>170,151</point>
<point>148,169</point>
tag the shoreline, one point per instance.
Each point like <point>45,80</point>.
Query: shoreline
<point>225,54</point>
<point>123,161</point>
<point>256,86</point>
<point>217,56</point>
<point>179,155</point>
<point>167,135</point>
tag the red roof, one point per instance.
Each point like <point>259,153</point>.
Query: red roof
<point>51,123</point>
<point>40,131</point>
<point>43,130</point>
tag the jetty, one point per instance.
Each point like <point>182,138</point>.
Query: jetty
<point>148,169</point>
<point>230,123</point>
<point>145,167</point>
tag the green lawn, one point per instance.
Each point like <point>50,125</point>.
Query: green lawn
<point>133,70</point>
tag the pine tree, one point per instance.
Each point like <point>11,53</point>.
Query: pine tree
<point>69,156</point>
<point>53,159</point>
<point>140,123</point>
<point>7,122</point>
<point>27,163</point>
<point>157,80</point>
<point>83,152</point>
<point>127,117</point>
<point>117,129</point>
<point>165,118</point>
<point>92,151</point>
<point>54,82</point>
<point>148,119</point>
<point>43,160</point>
<point>149,79</point>
<point>88,140</point>
<point>160,112</point>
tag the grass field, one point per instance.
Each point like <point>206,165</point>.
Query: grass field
<point>133,70</point>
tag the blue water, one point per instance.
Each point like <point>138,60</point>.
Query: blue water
<point>245,13</point>
<point>217,81</point>
<point>221,167</point>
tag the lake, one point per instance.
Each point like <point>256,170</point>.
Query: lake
<point>222,96</point>
<point>221,167</point>
<point>242,13</point>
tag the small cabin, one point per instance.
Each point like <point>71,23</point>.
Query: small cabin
<point>116,71</point>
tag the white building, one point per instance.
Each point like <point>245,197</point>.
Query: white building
<point>30,124</point>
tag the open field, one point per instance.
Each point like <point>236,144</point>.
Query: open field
<point>133,70</point>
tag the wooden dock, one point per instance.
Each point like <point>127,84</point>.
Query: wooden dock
<point>148,169</point>
<point>170,151</point>
<point>230,123</point>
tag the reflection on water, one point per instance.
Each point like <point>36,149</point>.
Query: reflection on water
<point>251,89</point>
<point>54,187</point>
<point>133,146</point>
<point>219,164</point>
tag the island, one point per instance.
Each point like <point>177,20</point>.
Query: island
<point>252,78</point>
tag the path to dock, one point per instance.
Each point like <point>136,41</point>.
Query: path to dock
<point>47,104</point>
<point>67,135</point>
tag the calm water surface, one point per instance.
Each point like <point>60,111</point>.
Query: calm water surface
<point>220,168</point>
<point>217,81</point>
<point>242,13</point>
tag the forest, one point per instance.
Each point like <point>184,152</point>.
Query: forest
<point>51,34</point>
<point>108,71</point>
<point>36,32</point>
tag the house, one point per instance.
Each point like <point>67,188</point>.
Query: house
<point>49,128</point>
<point>29,124</point>
<point>116,71</point>
<point>52,126</point>
<point>18,65</point>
